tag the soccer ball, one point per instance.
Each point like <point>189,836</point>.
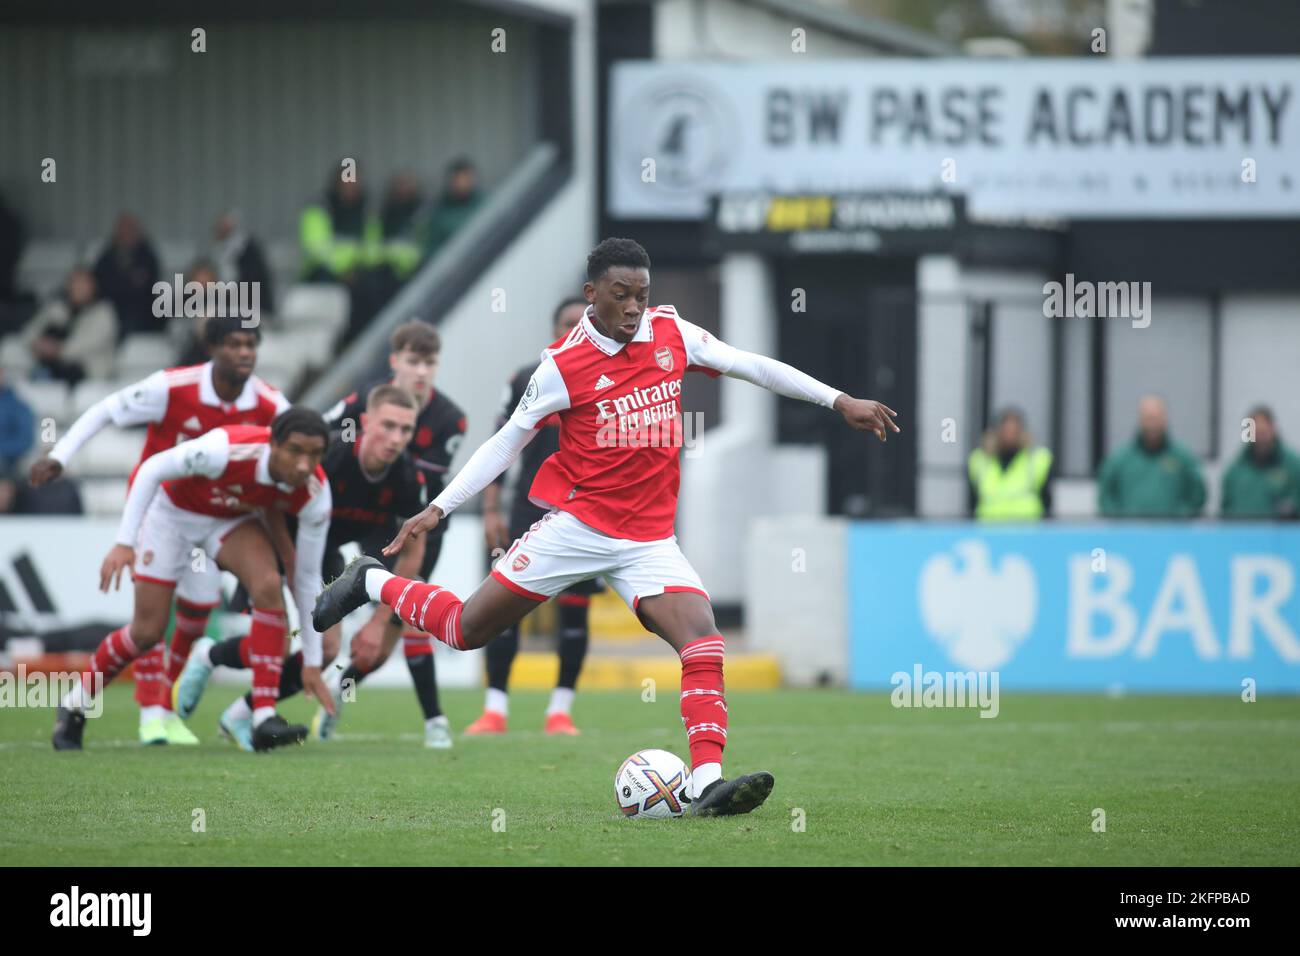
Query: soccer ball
<point>652,783</point>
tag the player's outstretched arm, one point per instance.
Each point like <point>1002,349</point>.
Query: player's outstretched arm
<point>138,404</point>
<point>490,459</point>
<point>710,354</point>
<point>313,532</point>
<point>860,413</point>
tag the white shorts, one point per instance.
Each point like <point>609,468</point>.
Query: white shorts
<point>559,551</point>
<point>167,552</point>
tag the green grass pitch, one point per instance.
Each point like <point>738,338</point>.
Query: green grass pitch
<point>1182,780</point>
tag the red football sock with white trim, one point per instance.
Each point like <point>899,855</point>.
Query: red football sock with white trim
<point>150,672</point>
<point>266,656</point>
<point>426,607</point>
<point>704,708</point>
<point>416,644</point>
<point>191,622</point>
<point>111,657</point>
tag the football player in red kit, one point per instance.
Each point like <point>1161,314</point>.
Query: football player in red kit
<point>178,404</point>
<point>212,488</point>
<point>615,383</point>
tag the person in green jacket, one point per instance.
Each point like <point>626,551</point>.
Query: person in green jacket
<point>340,240</point>
<point>1264,481</point>
<point>460,199</point>
<point>1153,476</point>
<point>1009,475</point>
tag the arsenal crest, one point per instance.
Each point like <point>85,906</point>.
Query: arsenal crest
<point>520,562</point>
<point>664,356</point>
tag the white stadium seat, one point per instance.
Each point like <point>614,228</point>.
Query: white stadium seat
<point>284,350</point>
<point>89,392</point>
<point>15,358</point>
<point>318,305</point>
<point>143,354</point>
<point>103,497</point>
<point>47,399</point>
<point>315,345</point>
<point>45,265</point>
<point>176,256</point>
<point>283,377</point>
<point>110,454</point>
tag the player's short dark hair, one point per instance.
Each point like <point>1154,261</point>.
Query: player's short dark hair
<point>420,337</point>
<point>217,327</point>
<point>616,252</point>
<point>565,303</point>
<point>300,420</point>
<point>387,394</point>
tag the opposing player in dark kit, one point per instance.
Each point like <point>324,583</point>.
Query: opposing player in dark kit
<point>415,350</point>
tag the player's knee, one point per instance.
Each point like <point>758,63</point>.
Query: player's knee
<point>147,628</point>
<point>266,592</point>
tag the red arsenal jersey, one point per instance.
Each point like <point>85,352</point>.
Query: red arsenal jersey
<point>182,403</point>
<point>619,411</point>
<point>241,481</point>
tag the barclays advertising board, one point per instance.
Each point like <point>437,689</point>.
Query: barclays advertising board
<point>1195,607</point>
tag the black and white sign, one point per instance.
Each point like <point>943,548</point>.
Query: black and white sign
<point>1095,138</point>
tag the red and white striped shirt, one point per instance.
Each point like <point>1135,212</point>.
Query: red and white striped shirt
<point>225,474</point>
<point>177,404</point>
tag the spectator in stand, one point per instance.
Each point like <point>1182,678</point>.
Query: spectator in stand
<point>341,242</point>
<point>17,427</point>
<point>58,497</point>
<point>400,222</point>
<point>126,273</point>
<point>186,330</point>
<point>1264,481</point>
<point>238,257</point>
<point>1153,476</point>
<point>1010,477</point>
<point>339,239</point>
<point>460,199</point>
<point>75,335</point>
<point>11,250</point>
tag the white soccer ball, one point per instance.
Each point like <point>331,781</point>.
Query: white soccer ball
<point>652,783</point>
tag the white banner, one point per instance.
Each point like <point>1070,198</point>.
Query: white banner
<point>1071,138</point>
<point>49,590</point>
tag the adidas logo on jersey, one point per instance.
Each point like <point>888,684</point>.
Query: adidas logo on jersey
<point>192,424</point>
<point>604,382</point>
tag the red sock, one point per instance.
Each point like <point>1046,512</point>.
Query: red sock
<point>704,703</point>
<point>416,644</point>
<point>265,645</point>
<point>150,672</point>
<point>426,607</point>
<point>110,659</point>
<point>191,622</point>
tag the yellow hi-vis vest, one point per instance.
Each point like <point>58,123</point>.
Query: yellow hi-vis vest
<point>1013,494</point>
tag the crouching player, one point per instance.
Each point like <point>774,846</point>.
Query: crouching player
<point>374,485</point>
<point>212,489</point>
